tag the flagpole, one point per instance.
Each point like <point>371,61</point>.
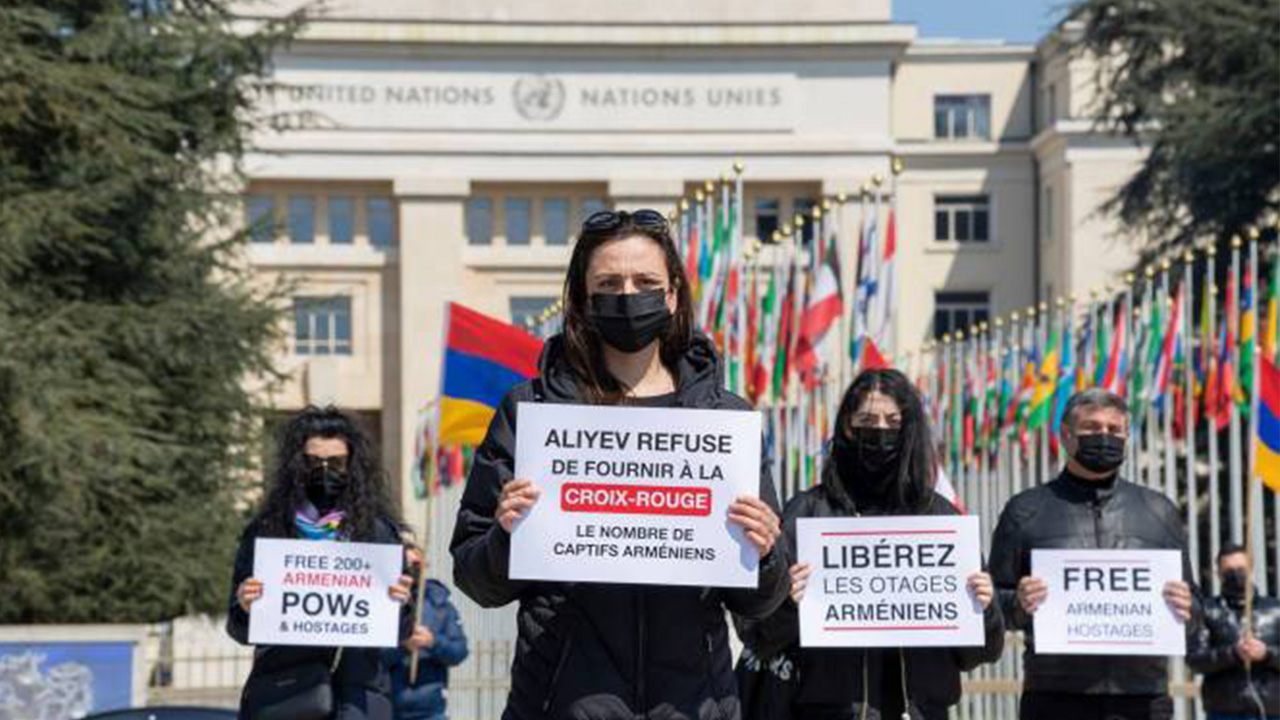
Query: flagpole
<point>1211,408</point>
<point>1234,491</point>
<point>1257,528</point>
<point>1188,415</point>
<point>1131,329</point>
<point>1046,332</point>
<point>1170,462</point>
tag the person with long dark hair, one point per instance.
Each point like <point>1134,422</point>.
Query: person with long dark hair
<point>603,651</point>
<point>326,486</point>
<point>881,462</point>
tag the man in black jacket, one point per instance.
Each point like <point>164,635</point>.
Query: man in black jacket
<point>1087,506</point>
<point>1241,670</point>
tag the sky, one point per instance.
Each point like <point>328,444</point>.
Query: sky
<point>1020,21</point>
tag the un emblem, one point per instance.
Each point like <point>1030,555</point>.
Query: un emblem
<point>539,97</point>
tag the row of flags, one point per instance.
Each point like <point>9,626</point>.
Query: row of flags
<point>1011,380</point>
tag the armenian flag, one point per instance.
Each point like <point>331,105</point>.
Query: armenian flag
<point>1267,464</point>
<point>483,359</point>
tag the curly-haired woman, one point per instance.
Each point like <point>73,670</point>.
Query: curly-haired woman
<point>327,487</point>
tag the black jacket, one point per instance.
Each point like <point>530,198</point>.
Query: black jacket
<point>1069,513</point>
<point>599,651</point>
<point>360,668</point>
<point>1226,689</point>
<point>833,678</point>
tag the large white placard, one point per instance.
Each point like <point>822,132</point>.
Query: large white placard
<point>1107,602</point>
<point>333,594</point>
<point>890,581</point>
<point>635,495</point>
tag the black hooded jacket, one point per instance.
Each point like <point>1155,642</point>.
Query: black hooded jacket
<point>602,651</point>
<point>837,682</point>
<point>1070,513</point>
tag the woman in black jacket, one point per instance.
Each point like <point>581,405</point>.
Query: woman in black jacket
<point>326,487</point>
<point>881,463</point>
<point>602,651</point>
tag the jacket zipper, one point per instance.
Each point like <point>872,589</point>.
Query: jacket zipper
<point>557,672</point>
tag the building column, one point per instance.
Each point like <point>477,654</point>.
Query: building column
<point>430,273</point>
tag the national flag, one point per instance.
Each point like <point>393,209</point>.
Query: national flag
<point>782,358</point>
<point>1171,340</point>
<point>1248,341</point>
<point>879,336</point>
<point>1267,443</point>
<point>1066,379</point>
<point>1047,383</point>
<point>822,313</point>
<point>1271,336</point>
<point>1114,380</point>
<point>483,359</point>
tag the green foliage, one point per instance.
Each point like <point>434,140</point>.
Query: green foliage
<point>1198,82</point>
<point>127,326</point>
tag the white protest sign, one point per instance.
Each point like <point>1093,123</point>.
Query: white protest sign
<point>890,581</point>
<point>325,593</point>
<point>635,495</point>
<point>1107,602</point>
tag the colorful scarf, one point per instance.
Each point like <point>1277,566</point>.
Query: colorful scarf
<point>312,527</point>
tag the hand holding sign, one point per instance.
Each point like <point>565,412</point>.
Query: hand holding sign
<point>517,498</point>
<point>249,590</point>
<point>800,574</point>
<point>1031,593</point>
<point>1178,594</point>
<point>980,587</point>
<point>757,520</point>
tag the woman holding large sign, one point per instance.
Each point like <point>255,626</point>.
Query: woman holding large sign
<point>606,650</point>
<point>326,487</point>
<point>881,464</point>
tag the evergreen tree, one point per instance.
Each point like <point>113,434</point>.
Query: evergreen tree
<point>128,327</point>
<point>1198,83</point>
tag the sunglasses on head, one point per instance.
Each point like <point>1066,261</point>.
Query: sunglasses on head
<point>335,462</point>
<point>610,220</point>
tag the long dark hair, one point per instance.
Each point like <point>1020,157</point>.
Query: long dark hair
<point>914,489</point>
<point>581,339</point>
<point>365,501</point>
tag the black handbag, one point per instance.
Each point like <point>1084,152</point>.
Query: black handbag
<point>298,692</point>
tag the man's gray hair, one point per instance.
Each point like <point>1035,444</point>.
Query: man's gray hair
<point>1092,398</point>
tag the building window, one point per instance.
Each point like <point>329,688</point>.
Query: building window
<point>525,311</point>
<point>322,325</point>
<point>961,218</point>
<point>766,218</point>
<point>518,222</point>
<point>341,210</point>
<point>954,311</point>
<point>381,222</point>
<point>260,217</point>
<point>1047,215</point>
<point>958,117</point>
<point>804,208</point>
<point>589,207</point>
<point>555,221</point>
<point>302,219</point>
<point>479,221</point>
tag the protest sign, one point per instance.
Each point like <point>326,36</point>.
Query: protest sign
<point>890,581</point>
<point>635,495</point>
<point>1107,602</point>
<point>325,593</point>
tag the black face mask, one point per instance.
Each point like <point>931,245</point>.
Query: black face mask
<point>1234,582</point>
<point>1100,453</point>
<point>630,322</point>
<point>324,486</point>
<point>868,459</point>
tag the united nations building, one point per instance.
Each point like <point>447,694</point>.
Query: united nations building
<point>420,153</point>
